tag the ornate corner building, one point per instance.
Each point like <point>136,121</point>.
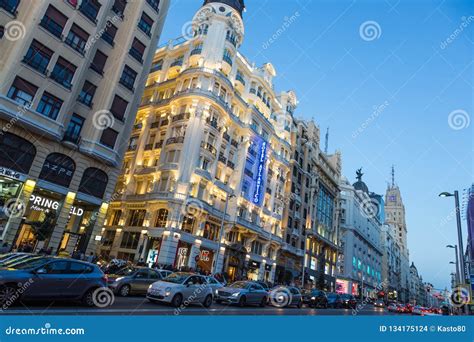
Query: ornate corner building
<point>69,78</point>
<point>206,173</point>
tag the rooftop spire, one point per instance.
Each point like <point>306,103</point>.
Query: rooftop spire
<point>393,176</point>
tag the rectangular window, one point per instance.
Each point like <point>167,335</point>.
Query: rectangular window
<point>128,77</point>
<point>118,108</point>
<point>137,50</point>
<point>90,8</point>
<point>38,56</point>
<point>116,217</point>
<point>87,94</point>
<point>10,6</point>
<point>73,131</point>
<point>145,24</point>
<point>137,216</point>
<point>130,240</point>
<point>54,21</point>
<point>154,4</point>
<point>77,38</point>
<point>22,91</point>
<point>156,66</point>
<point>98,63</point>
<point>49,106</point>
<point>119,7</point>
<point>109,33</point>
<point>63,72</point>
<point>109,137</point>
<point>108,238</point>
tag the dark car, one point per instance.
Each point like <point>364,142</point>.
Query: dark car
<point>348,301</point>
<point>51,278</point>
<point>315,298</point>
<point>334,300</point>
<point>133,280</point>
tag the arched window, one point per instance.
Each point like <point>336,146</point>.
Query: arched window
<point>58,168</point>
<point>94,182</point>
<point>161,218</point>
<point>16,153</point>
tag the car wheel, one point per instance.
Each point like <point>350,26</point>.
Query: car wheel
<point>300,304</point>
<point>242,301</point>
<point>8,295</point>
<point>207,301</point>
<point>88,298</point>
<point>124,290</point>
<point>177,300</point>
<point>263,302</point>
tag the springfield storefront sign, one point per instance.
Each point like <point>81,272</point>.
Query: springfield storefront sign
<point>40,203</point>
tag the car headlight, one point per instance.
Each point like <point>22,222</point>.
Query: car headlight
<point>149,287</point>
<point>119,279</point>
<point>313,298</point>
<point>216,292</point>
<point>235,294</point>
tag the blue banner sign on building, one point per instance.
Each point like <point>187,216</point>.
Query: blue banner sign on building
<point>255,171</point>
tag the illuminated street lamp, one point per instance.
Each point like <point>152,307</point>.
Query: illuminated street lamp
<point>458,278</point>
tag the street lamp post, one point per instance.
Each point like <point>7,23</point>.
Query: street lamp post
<point>458,277</point>
<point>462,265</point>
<point>221,232</point>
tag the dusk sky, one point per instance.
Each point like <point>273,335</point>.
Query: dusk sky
<point>398,92</point>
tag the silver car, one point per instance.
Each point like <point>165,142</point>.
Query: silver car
<point>179,288</point>
<point>242,293</point>
<point>214,284</point>
<point>132,280</point>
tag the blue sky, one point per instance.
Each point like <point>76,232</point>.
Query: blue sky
<point>387,97</point>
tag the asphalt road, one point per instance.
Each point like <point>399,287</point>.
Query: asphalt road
<point>141,306</point>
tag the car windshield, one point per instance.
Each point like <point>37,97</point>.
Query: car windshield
<point>239,285</point>
<point>177,278</point>
<point>332,295</point>
<point>31,263</point>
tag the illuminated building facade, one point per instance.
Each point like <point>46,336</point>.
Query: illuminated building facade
<point>69,75</point>
<point>211,144</point>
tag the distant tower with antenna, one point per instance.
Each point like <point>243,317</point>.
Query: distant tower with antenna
<point>326,141</point>
<point>393,176</point>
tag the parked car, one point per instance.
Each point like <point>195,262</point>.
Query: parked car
<point>315,298</point>
<point>419,310</point>
<point>163,273</point>
<point>242,293</point>
<point>348,301</point>
<point>334,300</point>
<point>179,287</point>
<point>132,280</point>
<point>264,285</point>
<point>285,296</point>
<point>379,303</point>
<point>51,278</point>
<point>214,284</point>
<point>394,307</point>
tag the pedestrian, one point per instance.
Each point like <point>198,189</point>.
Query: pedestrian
<point>91,257</point>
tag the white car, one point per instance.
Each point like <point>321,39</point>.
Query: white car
<point>179,288</point>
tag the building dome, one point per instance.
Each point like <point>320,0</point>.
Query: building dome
<point>238,5</point>
<point>360,185</point>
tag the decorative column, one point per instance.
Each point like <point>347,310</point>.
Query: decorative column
<point>168,248</point>
<point>220,263</point>
<point>61,221</point>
